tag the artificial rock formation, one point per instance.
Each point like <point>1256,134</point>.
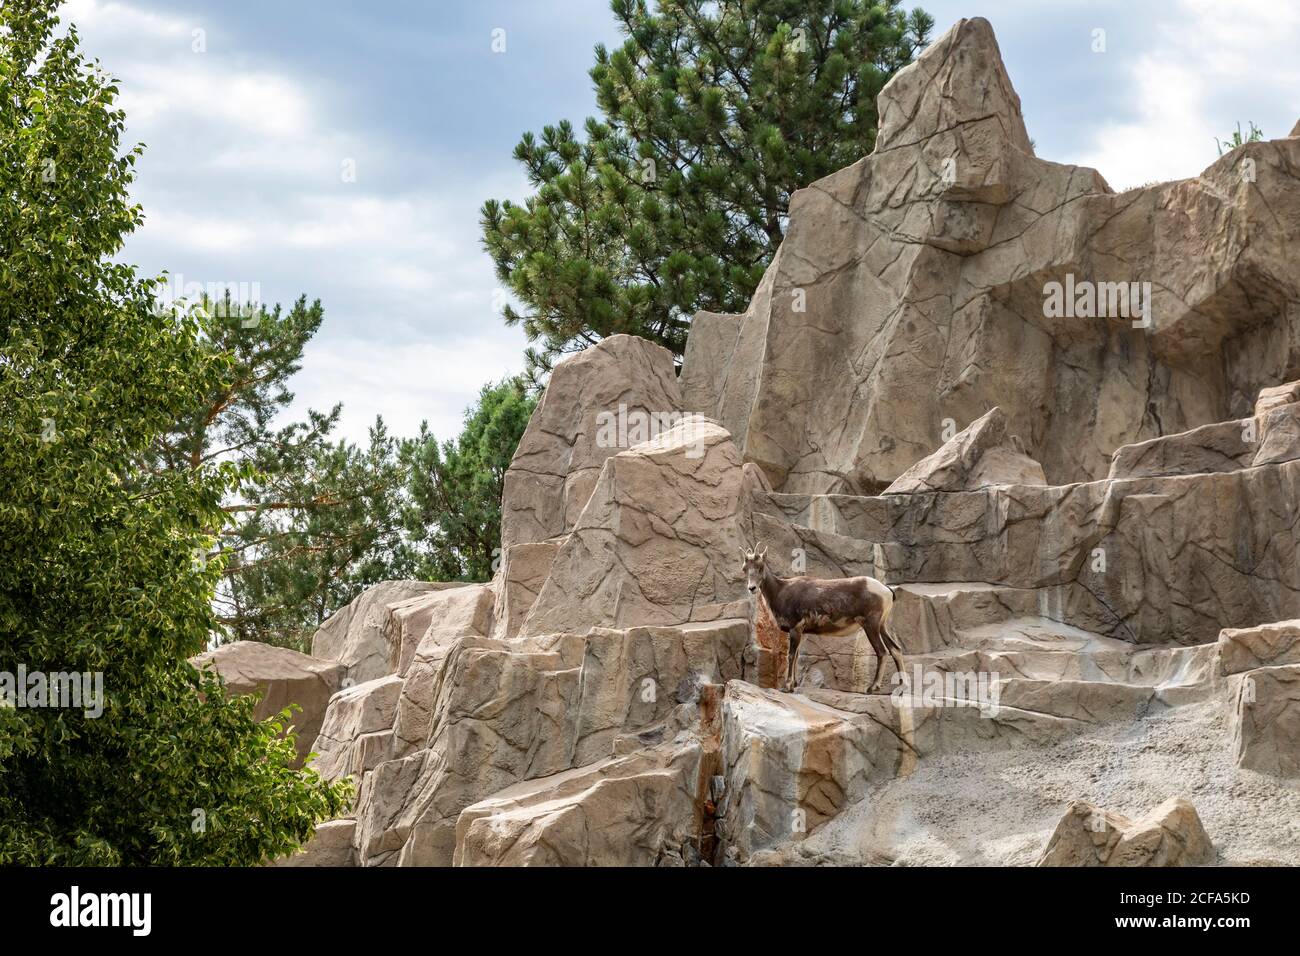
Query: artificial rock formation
<point>1170,835</point>
<point>281,677</point>
<point>1096,582</point>
<point>358,635</point>
<point>913,288</point>
<point>981,455</point>
<point>618,393</point>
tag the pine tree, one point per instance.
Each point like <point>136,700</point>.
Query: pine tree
<point>317,520</point>
<point>100,572</point>
<point>675,201</point>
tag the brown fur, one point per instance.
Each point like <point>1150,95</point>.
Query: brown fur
<point>828,606</point>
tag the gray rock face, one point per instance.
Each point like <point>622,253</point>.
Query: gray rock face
<point>908,281</point>
<point>281,677</point>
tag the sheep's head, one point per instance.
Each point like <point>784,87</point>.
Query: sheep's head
<point>755,563</point>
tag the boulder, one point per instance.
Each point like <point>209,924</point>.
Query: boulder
<point>634,679</point>
<point>1276,395</point>
<point>330,845</point>
<point>980,455</point>
<point>634,810</point>
<point>1280,435</point>
<point>1169,835</point>
<point>617,393</point>
<point>358,726</point>
<point>658,542</point>
<point>356,635</point>
<point>1223,446</point>
<point>439,619</point>
<point>1266,720</point>
<point>1246,648</point>
<point>493,717</point>
<point>281,677</point>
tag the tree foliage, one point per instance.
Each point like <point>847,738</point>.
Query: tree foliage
<point>676,200</point>
<point>100,572</point>
<point>318,520</point>
<point>453,512</point>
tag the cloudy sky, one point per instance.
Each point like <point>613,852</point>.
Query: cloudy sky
<point>255,115</point>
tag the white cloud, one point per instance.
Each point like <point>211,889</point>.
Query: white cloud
<point>1201,56</point>
<point>241,183</point>
<point>406,383</point>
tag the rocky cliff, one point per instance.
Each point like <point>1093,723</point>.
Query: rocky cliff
<point>1060,421</point>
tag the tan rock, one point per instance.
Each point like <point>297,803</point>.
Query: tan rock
<point>1276,395</point>
<point>331,845</point>
<point>281,677</point>
<point>357,728</point>
<point>636,810</point>
<point>794,761</point>
<point>980,455</point>
<point>917,286</point>
<point>524,569</point>
<point>1280,433</point>
<point>1169,835</point>
<point>1266,720</point>
<point>446,615</point>
<point>633,679</point>
<point>495,717</point>
<point>658,542</point>
<point>1246,648</point>
<point>356,635</point>
<point>624,382</point>
<point>1219,447</point>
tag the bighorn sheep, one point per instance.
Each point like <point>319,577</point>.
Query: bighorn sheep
<point>834,606</point>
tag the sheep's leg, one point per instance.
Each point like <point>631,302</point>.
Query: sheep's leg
<point>895,651</point>
<point>877,645</point>
<point>792,664</point>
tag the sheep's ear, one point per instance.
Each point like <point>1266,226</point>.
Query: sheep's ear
<point>763,554</point>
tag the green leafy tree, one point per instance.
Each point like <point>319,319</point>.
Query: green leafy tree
<point>675,201</point>
<point>101,570</point>
<point>453,509</point>
<point>318,520</point>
